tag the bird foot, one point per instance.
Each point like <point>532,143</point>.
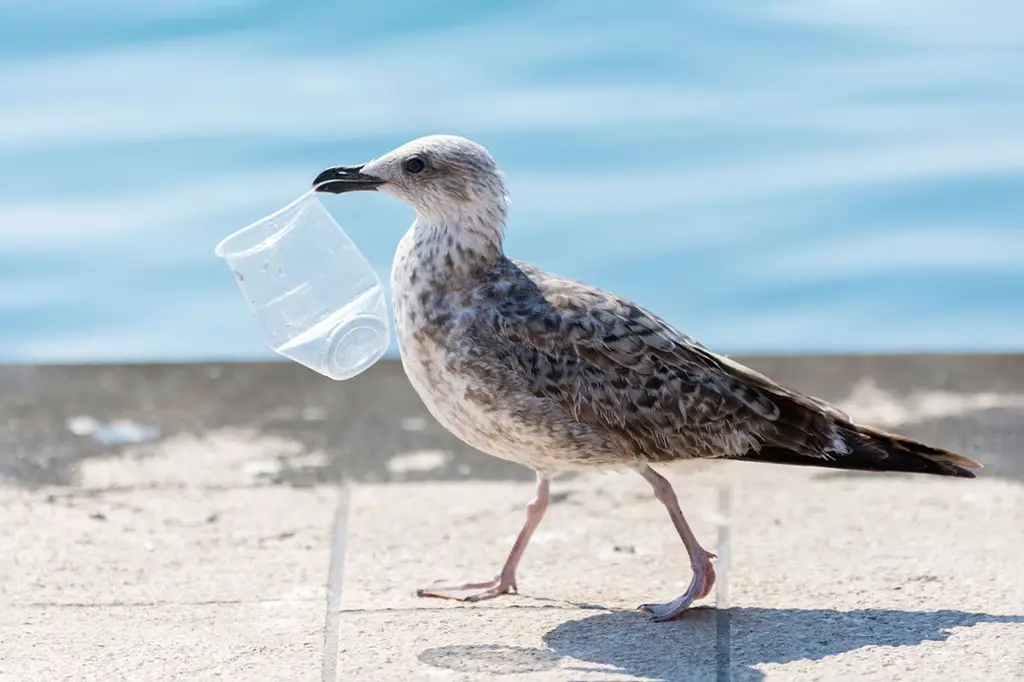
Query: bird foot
<point>471,591</point>
<point>700,586</point>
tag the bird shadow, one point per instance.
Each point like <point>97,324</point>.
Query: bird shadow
<point>709,644</point>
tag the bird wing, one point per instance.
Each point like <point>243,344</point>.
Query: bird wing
<point>660,393</point>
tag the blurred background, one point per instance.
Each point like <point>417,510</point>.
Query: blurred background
<point>773,177</point>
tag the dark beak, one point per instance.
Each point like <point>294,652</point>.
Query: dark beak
<point>345,179</point>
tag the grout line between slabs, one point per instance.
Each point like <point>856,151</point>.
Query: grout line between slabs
<point>723,633</point>
<point>335,576</point>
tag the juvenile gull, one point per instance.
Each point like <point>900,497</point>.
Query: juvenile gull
<point>556,375</point>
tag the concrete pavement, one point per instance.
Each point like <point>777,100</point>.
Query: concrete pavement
<point>187,532</point>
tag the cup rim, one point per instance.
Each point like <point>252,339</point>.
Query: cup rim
<point>221,249</point>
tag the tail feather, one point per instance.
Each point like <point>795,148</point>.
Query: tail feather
<point>875,450</point>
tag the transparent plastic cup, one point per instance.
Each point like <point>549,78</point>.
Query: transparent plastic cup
<point>313,294</point>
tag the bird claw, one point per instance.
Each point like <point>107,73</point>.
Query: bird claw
<point>700,586</point>
<point>471,592</point>
<point>661,613</point>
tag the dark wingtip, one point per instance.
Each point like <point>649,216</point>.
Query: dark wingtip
<point>960,472</point>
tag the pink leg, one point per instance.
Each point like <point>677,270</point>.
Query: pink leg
<point>506,580</point>
<point>700,558</point>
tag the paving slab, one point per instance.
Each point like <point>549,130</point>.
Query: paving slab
<point>178,522</point>
<point>828,578</point>
<point>173,564</point>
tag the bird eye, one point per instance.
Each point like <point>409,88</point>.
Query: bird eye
<point>414,165</point>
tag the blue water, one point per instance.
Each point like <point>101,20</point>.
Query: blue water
<point>772,176</point>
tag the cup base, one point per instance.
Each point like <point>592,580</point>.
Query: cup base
<point>354,346</point>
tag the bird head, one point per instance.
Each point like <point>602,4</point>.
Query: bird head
<point>442,177</point>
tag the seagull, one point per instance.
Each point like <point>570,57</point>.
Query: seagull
<point>557,375</point>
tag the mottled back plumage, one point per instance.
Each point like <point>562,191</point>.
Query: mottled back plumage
<point>662,395</point>
<point>657,393</point>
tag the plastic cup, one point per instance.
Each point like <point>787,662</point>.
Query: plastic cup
<point>313,294</point>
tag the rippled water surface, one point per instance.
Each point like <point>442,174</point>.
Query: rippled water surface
<point>777,176</point>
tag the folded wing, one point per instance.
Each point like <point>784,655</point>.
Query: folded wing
<point>661,394</point>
